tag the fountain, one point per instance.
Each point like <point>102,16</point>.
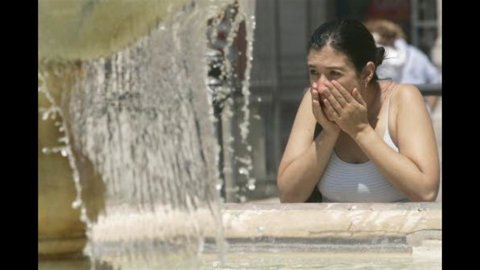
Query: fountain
<point>127,95</point>
<point>128,152</point>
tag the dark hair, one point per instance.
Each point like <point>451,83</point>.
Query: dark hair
<point>350,37</point>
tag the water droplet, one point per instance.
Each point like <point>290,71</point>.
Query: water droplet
<point>243,171</point>
<point>64,152</point>
<point>76,204</point>
<point>45,150</point>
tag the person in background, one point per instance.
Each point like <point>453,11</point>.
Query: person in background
<point>356,138</point>
<point>404,63</point>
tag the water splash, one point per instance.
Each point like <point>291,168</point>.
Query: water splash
<point>142,120</point>
<point>52,112</point>
<point>143,117</point>
<point>231,97</point>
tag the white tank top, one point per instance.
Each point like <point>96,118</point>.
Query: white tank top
<point>363,182</point>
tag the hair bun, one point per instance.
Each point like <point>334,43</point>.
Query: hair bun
<point>380,55</point>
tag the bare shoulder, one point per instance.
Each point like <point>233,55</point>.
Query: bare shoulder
<point>407,93</point>
<point>406,96</point>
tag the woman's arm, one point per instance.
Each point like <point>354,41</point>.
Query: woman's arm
<point>304,159</point>
<point>414,170</point>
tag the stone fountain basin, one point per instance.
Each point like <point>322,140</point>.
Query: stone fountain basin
<point>395,227</point>
<point>402,234</point>
<point>335,226</point>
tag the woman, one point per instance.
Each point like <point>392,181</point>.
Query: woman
<point>376,142</point>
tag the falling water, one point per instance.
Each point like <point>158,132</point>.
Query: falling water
<point>144,118</point>
<point>232,97</point>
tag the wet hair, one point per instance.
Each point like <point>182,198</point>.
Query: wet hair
<point>350,37</point>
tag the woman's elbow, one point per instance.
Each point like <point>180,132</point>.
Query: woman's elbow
<point>428,196</point>
<point>287,194</point>
<point>430,193</point>
<point>288,197</point>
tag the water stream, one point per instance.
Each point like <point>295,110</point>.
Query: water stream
<point>143,117</point>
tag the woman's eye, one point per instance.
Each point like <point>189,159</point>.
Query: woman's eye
<point>313,72</point>
<point>335,73</point>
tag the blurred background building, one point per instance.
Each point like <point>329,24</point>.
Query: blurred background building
<point>279,72</point>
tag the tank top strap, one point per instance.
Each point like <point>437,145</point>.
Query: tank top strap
<point>391,88</point>
<point>386,135</point>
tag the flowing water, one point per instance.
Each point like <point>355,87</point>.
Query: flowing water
<point>144,118</point>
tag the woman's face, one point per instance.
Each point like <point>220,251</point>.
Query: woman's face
<point>328,64</point>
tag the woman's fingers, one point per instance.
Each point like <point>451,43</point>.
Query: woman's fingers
<point>316,103</point>
<point>330,111</point>
<point>358,97</point>
<point>342,91</point>
<point>334,102</point>
<point>340,100</point>
<point>322,115</point>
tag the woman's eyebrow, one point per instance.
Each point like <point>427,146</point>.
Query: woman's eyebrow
<point>328,67</point>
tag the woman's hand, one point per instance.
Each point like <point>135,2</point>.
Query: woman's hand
<point>320,116</point>
<point>348,111</point>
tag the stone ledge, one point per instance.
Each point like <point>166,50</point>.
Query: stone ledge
<point>330,219</point>
<point>327,227</point>
<point>51,248</point>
